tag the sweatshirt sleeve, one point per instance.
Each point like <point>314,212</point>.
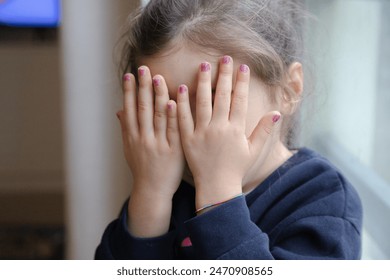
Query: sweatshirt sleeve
<point>118,244</point>
<point>327,227</point>
<point>227,232</point>
<point>315,230</point>
<point>319,237</point>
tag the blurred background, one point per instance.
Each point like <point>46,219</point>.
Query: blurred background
<point>63,177</point>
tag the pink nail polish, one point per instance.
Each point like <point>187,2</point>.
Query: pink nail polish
<point>141,71</point>
<point>276,118</point>
<point>156,81</point>
<point>126,77</point>
<point>226,59</point>
<point>205,67</point>
<point>170,106</point>
<point>244,68</point>
<point>182,89</point>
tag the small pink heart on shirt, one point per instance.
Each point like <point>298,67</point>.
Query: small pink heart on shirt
<point>186,242</point>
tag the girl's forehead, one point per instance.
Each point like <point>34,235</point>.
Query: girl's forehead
<point>181,67</point>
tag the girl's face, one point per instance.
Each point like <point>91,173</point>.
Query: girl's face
<point>181,67</point>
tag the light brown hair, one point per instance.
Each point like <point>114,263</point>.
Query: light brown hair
<point>265,34</point>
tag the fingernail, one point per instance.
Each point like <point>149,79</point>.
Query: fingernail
<point>244,68</point>
<point>276,118</point>
<point>141,71</point>
<point>226,59</point>
<point>156,81</point>
<point>205,67</point>
<point>170,106</point>
<point>126,77</point>
<point>182,89</point>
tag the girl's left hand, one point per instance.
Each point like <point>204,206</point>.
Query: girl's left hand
<point>216,147</point>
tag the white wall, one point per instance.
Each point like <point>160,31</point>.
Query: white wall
<point>97,179</point>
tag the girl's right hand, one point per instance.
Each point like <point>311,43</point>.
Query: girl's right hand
<point>153,152</point>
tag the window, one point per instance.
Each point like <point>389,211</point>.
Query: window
<point>350,48</point>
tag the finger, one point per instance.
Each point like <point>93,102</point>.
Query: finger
<point>129,118</point>
<point>121,117</point>
<point>145,101</point>
<point>239,104</point>
<point>203,96</point>
<point>186,122</point>
<point>223,90</point>
<point>160,107</point>
<point>173,133</point>
<point>263,130</point>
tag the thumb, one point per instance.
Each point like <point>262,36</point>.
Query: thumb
<point>121,118</point>
<point>263,130</point>
<point>120,115</point>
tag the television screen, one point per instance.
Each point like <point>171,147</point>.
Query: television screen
<point>30,13</point>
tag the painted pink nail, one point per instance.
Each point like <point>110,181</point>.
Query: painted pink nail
<point>126,77</point>
<point>244,68</point>
<point>276,118</point>
<point>170,106</point>
<point>226,59</point>
<point>205,67</point>
<point>156,81</point>
<point>182,89</point>
<point>141,71</point>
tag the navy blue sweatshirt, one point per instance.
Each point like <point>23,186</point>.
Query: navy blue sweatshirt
<point>304,210</point>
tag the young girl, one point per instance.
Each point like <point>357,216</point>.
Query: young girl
<point>208,110</point>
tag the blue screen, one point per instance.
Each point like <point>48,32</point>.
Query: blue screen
<point>30,13</point>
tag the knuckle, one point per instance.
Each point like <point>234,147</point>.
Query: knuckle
<point>203,102</point>
<point>222,92</point>
<point>146,143</point>
<point>225,70</point>
<point>267,129</point>
<point>240,97</point>
<point>183,118</point>
<point>160,114</point>
<point>171,129</point>
<point>159,93</point>
<point>143,106</point>
<point>129,140</point>
<point>204,78</point>
<point>237,130</point>
<point>217,130</point>
<point>171,117</point>
<point>125,128</point>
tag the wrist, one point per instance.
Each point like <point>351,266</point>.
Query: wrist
<point>215,192</point>
<point>148,214</point>
<point>208,207</point>
<point>153,190</point>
